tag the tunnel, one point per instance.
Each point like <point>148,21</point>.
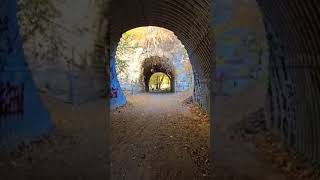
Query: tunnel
<point>292,30</point>
<point>154,65</point>
<point>174,16</point>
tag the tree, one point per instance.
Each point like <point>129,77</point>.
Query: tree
<point>158,80</point>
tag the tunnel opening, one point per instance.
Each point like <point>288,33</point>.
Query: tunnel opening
<point>154,65</point>
<point>161,118</point>
<point>160,83</point>
<point>156,114</point>
<point>143,51</point>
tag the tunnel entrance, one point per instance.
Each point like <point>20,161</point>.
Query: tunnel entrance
<point>157,66</point>
<point>153,70</point>
<point>144,51</point>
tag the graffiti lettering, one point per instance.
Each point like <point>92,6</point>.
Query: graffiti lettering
<point>114,93</point>
<point>11,99</point>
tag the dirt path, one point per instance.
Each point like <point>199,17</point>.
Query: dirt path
<point>154,137</point>
<point>157,137</point>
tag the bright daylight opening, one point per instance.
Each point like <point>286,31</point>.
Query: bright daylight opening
<point>144,52</point>
<point>159,82</point>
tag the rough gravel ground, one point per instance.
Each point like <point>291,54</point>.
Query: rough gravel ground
<point>156,136</point>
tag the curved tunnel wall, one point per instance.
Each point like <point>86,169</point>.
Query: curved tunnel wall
<point>293,97</point>
<point>292,107</point>
<point>188,19</point>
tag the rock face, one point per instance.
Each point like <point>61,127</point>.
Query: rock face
<point>147,50</point>
<point>22,114</point>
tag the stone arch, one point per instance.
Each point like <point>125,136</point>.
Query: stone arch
<point>156,64</point>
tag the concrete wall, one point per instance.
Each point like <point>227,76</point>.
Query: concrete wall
<point>241,46</point>
<point>23,117</point>
<point>78,27</point>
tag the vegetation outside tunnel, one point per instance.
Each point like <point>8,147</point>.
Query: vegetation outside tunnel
<point>160,82</point>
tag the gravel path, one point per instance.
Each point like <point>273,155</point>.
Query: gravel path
<point>156,136</point>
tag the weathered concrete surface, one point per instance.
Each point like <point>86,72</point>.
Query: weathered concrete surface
<point>241,46</point>
<point>80,27</point>
<point>23,116</point>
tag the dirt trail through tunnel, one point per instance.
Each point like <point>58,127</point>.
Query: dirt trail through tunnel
<point>154,136</point>
<point>157,137</point>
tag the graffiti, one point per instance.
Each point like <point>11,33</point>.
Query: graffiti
<point>11,99</point>
<point>114,93</point>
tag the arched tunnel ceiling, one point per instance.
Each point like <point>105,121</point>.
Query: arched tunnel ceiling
<point>296,24</point>
<point>156,64</point>
<point>188,19</point>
